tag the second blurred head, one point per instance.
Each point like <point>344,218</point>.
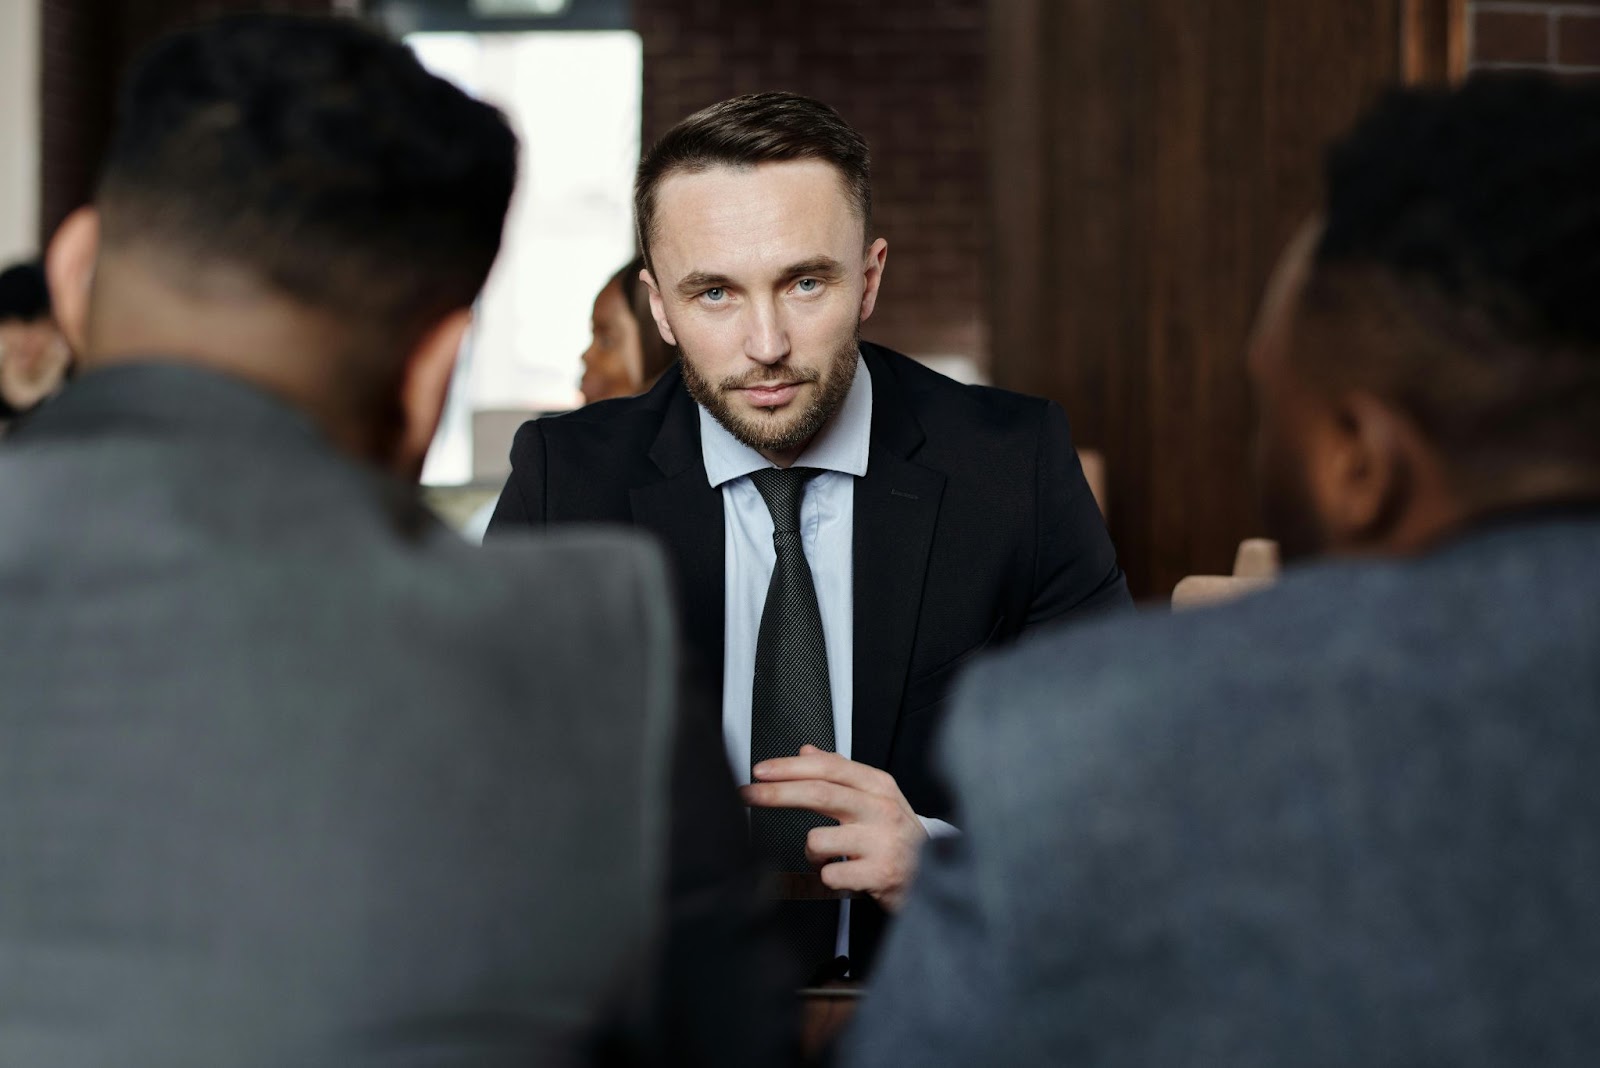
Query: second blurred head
<point>626,353</point>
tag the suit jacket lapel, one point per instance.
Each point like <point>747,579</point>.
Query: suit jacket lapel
<point>685,511</point>
<point>896,510</point>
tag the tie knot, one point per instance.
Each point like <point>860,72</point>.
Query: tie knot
<point>783,489</point>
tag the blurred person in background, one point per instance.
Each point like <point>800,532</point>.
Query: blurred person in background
<point>1351,820</point>
<point>289,775</point>
<point>847,526</point>
<point>625,357</point>
<point>626,353</point>
<point>34,358</point>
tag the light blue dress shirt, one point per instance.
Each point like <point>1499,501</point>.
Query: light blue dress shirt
<point>827,526</point>
<point>827,521</point>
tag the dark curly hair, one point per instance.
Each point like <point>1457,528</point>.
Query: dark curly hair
<point>1468,221</point>
<point>657,354</point>
<point>24,294</point>
<point>321,159</point>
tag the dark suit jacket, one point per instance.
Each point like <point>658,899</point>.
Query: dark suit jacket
<point>973,523</point>
<point>291,776</point>
<point>1350,821</point>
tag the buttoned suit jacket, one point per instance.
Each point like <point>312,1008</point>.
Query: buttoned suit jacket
<point>972,524</point>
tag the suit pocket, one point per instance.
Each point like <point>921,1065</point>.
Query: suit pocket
<point>932,687</point>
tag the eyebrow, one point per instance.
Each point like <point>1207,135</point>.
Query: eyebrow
<point>700,281</point>
<point>697,282</point>
<point>823,265</point>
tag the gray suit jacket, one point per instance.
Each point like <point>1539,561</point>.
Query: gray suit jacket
<point>1352,821</point>
<point>289,775</point>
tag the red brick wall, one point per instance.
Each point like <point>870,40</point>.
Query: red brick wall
<point>86,47</point>
<point>1559,35</point>
<point>909,74</point>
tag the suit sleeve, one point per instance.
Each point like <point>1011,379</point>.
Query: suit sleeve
<point>521,503</point>
<point>1075,564</point>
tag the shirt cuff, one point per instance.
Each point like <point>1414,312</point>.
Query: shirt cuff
<point>938,828</point>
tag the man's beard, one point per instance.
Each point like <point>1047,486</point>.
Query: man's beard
<point>777,433</point>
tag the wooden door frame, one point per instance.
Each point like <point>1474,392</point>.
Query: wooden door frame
<point>1433,42</point>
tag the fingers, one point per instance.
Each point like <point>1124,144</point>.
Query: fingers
<point>885,874</point>
<point>814,763</point>
<point>854,840</point>
<point>826,798</point>
<point>861,876</point>
<point>864,877</point>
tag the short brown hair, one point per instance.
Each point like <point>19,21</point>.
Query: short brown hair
<point>746,131</point>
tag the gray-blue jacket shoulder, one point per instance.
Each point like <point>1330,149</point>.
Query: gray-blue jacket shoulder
<point>288,775</point>
<point>1349,821</point>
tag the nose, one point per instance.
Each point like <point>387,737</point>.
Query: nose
<point>766,341</point>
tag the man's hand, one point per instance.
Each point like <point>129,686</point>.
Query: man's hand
<point>878,835</point>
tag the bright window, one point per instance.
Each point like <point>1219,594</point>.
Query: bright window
<point>573,98</point>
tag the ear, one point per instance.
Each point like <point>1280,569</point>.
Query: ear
<point>69,268</point>
<point>1365,477</point>
<point>426,387</point>
<point>877,257</point>
<point>658,309</point>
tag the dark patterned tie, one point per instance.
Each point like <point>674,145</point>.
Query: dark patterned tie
<point>791,705</point>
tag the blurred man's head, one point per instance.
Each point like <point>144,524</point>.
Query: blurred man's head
<point>1430,350</point>
<point>24,296</point>
<point>296,201</point>
<point>755,221</point>
<point>34,360</point>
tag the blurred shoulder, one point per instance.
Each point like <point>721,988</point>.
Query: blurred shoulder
<point>978,430</point>
<point>926,389</point>
<point>1335,651</point>
<point>568,573</point>
<point>623,422</point>
<point>1131,692</point>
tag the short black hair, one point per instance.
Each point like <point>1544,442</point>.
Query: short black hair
<point>320,158</point>
<point>23,293</point>
<point>774,127</point>
<point>1474,215</point>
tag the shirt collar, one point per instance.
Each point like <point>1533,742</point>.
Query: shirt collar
<point>841,445</point>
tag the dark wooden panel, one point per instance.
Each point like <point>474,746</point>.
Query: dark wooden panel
<point>1434,41</point>
<point>76,89</point>
<point>1150,159</point>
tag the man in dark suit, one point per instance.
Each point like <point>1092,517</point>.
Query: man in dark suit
<point>1352,820</point>
<point>288,774</point>
<point>847,527</point>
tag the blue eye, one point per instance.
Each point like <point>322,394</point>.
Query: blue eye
<point>808,285</point>
<point>715,294</point>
